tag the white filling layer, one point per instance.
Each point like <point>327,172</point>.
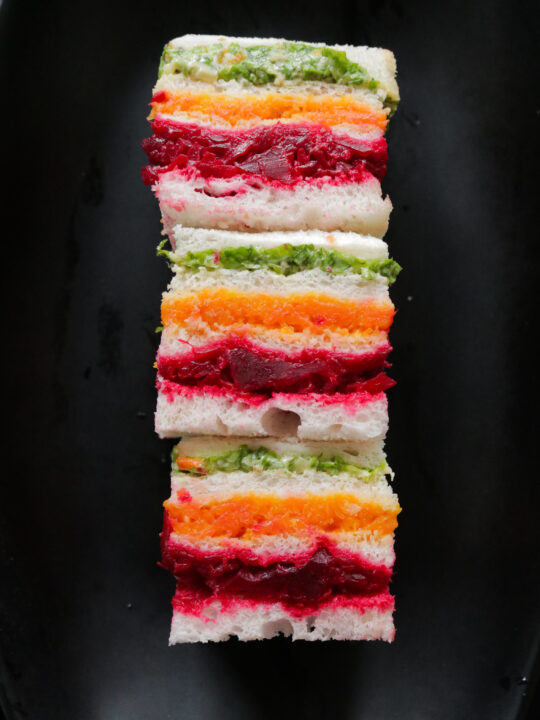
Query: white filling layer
<point>363,247</point>
<point>369,453</point>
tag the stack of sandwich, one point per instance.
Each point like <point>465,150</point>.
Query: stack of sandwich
<point>266,158</point>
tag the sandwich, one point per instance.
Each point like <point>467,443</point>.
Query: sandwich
<point>265,134</point>
<point>280,537</point>
<point>275,333</point>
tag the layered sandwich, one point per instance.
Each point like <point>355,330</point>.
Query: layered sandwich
<point>280,537</point>
<point>267,158</point>
<point>281,333</point>
<point>264,134</point>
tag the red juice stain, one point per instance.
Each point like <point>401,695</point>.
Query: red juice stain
<point>160,97</point>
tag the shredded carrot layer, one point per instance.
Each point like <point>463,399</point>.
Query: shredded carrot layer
<point>313,311</point>
<point>245,516</point>
<point>325,110</point>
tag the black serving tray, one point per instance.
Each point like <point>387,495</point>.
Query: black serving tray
<point>85,610</point>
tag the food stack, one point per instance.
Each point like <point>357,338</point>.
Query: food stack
<point>266,158</point>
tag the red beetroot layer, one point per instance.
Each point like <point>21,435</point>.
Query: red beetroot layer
<point>350,402</point>
<point>303,580</point>
<point>239,364</point>
<point>283,152</point>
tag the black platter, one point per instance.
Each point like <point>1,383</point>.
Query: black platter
<point>84,608</point>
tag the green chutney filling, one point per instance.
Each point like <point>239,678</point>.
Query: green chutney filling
<point>284,259</point>
<point>246,459</point>
<point>264,64</point>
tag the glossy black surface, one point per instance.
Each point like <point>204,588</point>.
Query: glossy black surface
<point>85,610</point>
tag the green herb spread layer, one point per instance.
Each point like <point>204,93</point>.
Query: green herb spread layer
<point>264,64</point>
<point>284,259</point>
<point>245,459</point>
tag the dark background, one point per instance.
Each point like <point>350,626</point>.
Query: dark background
<point>84,608</point>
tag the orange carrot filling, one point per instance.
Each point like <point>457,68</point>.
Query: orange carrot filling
<point>189,463</point>
<point>324,110</point>
<point>250,515</point>
<point>310,311</point>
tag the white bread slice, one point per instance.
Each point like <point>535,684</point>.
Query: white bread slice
<point>232,204</point>
<point>219,486</point>
<point>208,119</point>
<point>180,84</point>
<point>380,65</point>
<point>346,286</point>
<point>261,621</point>
<point>189,239</point>
<point>175,339</point>
<point>377,549</point>
<point>368,454</point>
<point>198,412</point>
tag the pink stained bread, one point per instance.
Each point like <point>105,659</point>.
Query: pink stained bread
<point>340,619</point>
<point>184,410</point>
<point>249,203</point>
